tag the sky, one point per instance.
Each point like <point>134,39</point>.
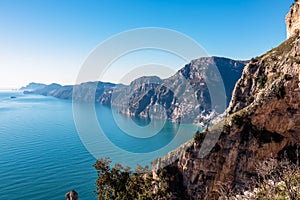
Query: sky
<point>48,40</point>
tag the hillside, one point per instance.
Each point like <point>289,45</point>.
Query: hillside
<point>263,121</point>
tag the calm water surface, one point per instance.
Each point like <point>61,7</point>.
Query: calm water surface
<point>42,156</point>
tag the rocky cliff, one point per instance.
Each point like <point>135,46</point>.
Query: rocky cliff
<point>269,86</point>
<point>293,20</point>
<point>263,122</point>
<point>185,96</point>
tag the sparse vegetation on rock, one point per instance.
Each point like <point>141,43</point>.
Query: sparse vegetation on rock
<point>280,91</point>
<point>275,180</point>
<point>263,121</point>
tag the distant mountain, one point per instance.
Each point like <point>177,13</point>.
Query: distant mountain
<point>48,90</point>
<point>183,97</point>
<point>32,86</point>
<point>90,91</point>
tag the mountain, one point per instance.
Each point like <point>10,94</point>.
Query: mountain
<point>183,97</point>
<point>47,90</point>
<point>88,91</point>
<point>32,86</point>
<point>263,121</point>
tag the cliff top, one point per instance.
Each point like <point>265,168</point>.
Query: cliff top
<point>293,19</point>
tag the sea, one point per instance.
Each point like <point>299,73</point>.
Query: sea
<point>48,149</point>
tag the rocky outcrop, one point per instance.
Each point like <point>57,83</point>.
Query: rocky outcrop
<point>263,122</point>
<point>72,195</point>
<point>293,20</point>
<point>270,85</point>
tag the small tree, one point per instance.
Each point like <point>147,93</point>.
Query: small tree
<point>120,183</point>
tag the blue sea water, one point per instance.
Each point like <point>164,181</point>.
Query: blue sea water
<point>42,155</point>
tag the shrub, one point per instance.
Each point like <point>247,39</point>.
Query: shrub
<point>239,118</point>
<point>120,183</point>
<point>280,92</point>
<point>262,80</point>
<point>252,65</point>
<point>226,128</point>
<point>250,100</point>
<point>199,137</point>
<point>253,60</point>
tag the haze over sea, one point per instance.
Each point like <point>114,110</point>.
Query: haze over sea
<point>42,156</point>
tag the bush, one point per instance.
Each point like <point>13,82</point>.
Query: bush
<point>280,92</point>
<point>252,65</point>
<point>199,137</point>
<point>250,100</point>
<point>240,118</point>
<point>226,128</point>
<point>120,183</point>
<point>262,80</point>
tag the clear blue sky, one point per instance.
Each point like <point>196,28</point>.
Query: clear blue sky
<point>48,40</point>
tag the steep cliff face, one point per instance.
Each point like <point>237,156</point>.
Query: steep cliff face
<point>184,97</point>
<point>269,87</point>
<point>293,20</point>
<point>263,122</point>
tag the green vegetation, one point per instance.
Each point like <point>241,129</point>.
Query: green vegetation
<point>250,99</point>
<point>284,47</point>
<point>262,80</point>
<point>226,126</point>
<point>199,137</point>
<point>296,60</point>
<point>253,60</point>
<point>272,56</point>
<point>240,118</point>
<point>119,183</point>
<point>252,65</point>
<point>280,92</point>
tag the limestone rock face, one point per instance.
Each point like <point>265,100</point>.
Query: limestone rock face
<point>293,20</point>
<point>183,97</point>
<point>270,86</point>
<point>263,122</point>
